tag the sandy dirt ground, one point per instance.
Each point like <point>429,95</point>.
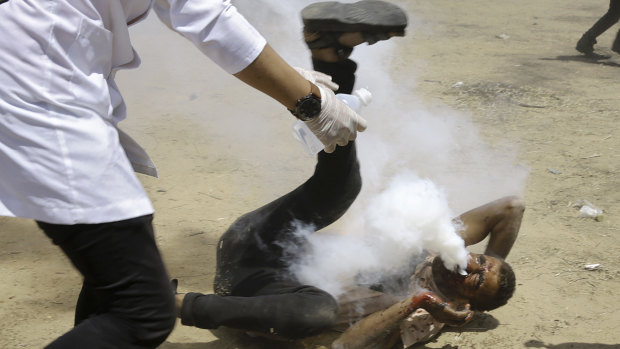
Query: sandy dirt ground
<point>505,69</point>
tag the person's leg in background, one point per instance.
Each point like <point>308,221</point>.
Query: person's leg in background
<point>126,300</point>
<point>588,40</point>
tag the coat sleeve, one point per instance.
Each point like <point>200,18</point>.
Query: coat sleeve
<point>216,28</point>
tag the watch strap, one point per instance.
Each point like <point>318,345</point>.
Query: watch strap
<point>315,93</point>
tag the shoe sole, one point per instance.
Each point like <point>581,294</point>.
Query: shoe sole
<point>584,51</point>
<point>362,16</point>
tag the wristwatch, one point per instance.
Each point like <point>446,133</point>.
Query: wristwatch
<point>308,107</point>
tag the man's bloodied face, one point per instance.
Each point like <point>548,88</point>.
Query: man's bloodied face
<point>482,279</point>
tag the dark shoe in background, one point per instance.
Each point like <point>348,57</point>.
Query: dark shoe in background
<point>585,45</point>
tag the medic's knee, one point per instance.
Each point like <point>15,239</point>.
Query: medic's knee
<point>154,324</point>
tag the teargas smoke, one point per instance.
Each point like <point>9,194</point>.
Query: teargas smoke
<point>420,165</point>
<point>415,212</point>
<point>410,216</point>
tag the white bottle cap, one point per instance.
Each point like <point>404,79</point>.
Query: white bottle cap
<point>364,95</point>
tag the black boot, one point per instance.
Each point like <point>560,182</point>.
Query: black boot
<point>585,45</point>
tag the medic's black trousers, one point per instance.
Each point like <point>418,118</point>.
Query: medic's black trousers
<point>126,299</point>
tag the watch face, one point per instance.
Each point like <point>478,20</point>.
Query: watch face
<point>308,107</point>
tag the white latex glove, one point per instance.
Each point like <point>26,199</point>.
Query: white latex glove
<point>336,124</point>
<point>317,78</point>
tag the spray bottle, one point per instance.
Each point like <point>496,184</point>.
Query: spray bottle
<point>359,98</point>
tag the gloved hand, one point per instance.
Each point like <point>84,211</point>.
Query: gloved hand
<point>317,78</point>
<point>336,124</point>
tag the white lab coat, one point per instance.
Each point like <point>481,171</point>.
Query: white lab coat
<point>61,154</point>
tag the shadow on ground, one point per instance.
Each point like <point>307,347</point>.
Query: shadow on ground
<point>481,322</point>
<point>570,345</point>
<point>232,339</point>
<point>592,59</point>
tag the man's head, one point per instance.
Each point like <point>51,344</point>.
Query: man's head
<point>489,282</point>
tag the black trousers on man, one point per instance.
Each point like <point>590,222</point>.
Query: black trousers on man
<point>253,289</point>
<point>126,299</point>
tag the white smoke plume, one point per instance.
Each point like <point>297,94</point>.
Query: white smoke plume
<point>420,168</point>
<point>411,215</point>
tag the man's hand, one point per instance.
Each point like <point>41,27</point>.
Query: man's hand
<point>317,78</point>
<point>336,124</point>
<point>442,311</point>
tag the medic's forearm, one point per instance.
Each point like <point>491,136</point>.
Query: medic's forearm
<point>270,74</point>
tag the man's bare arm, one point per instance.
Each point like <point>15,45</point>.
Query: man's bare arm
<point>377,329</point>
<point>270,74</point>
<point>499,219</point>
